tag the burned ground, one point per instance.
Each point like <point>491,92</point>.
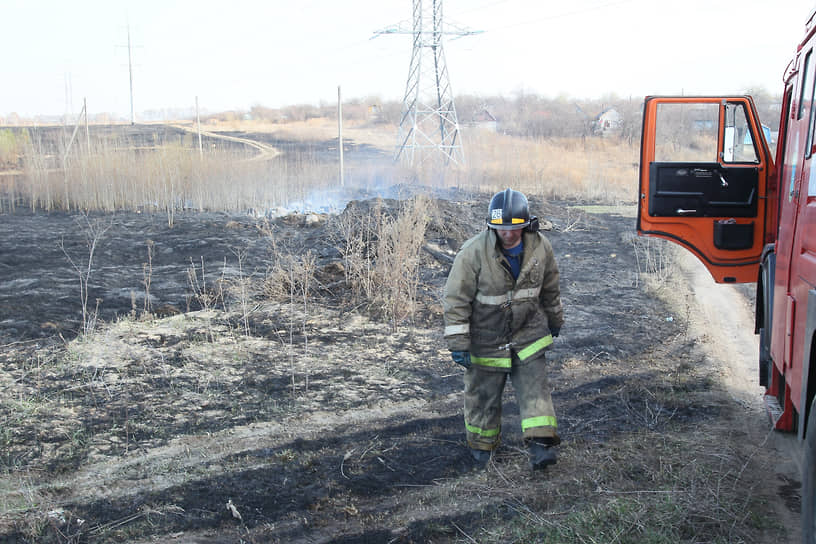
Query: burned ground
<point>292,419</point>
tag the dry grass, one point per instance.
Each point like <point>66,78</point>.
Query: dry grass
<point>167,179</point>
<point>693,487</point>
<point>593,169</point>
<point>655,258</point>
<point>113,175</point>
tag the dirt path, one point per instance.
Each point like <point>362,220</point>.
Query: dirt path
<point>265,151</point>
<point>723,319</point>
<point>724,323</point>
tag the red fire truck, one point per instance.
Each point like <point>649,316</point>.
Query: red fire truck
<point>709,182</point>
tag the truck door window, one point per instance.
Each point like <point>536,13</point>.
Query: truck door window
<point>686,132</point>
<point>802,96</point>
<point>808,87</point>
<point>738,142</point>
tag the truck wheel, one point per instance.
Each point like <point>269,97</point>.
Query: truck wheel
<point>809,481</point>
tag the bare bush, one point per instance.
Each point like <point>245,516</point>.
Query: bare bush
<point>84,268</point>
<point>655,258</point>
<point>381,252</point>
<point>291,278</point>
<point>206,297</point>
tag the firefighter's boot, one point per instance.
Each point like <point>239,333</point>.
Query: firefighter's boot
<point>541,455</point>
<point>480,457</point>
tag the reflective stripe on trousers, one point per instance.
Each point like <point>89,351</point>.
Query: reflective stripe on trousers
<point>507,362</point>
<point>483,403</point>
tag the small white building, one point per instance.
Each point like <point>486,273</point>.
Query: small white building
<point>483,120</point>
<point>608,121</point>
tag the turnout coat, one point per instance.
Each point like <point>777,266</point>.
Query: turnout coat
<point>493,316</point>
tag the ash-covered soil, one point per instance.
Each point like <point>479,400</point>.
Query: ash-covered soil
<point>209,406</point>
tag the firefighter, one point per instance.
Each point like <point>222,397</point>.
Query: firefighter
<point>502,308</point>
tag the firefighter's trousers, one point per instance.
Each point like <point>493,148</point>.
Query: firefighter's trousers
<point>483,402</point>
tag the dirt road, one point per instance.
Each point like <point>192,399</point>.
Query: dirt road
<point>310,419</point>
<point>725,328</point>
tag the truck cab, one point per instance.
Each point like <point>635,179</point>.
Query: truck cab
<point>709,182</point>
<point>747,217</point>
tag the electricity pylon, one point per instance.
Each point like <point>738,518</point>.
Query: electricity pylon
<point>428,124</point>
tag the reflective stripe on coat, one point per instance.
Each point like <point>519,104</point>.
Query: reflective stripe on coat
<point>487,312</point>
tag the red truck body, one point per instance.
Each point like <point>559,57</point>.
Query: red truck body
<point>709,182</point>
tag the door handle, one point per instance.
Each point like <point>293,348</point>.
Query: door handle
<point>681,211</point>
<point>722,180</point>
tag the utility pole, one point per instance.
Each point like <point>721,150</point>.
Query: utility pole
<point>198,125</point>
<point>428,124</point>
<point>69,97</point>
<point>87,129</point>
<point>340,133</point>
<point>130,72</point>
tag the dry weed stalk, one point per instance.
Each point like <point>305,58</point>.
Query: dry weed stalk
<point>206,297</point>
<point>241,290</point>
<point>654,257</point>
<point>398,258</point>
<point>93,231</point>
<point>291,277</point>
<point>147,276</point>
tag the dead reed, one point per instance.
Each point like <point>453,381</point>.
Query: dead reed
<point>112,173</point>
<point>170,178</point>
<point>590,169</point>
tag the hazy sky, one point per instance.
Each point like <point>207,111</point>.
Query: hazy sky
<point>239,53</point>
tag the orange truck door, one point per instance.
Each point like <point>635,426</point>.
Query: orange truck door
<point>704,166</point>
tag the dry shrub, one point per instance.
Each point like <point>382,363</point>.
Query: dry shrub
<point>381,252</point>
<point>655,258</point>
<point>292,277</point>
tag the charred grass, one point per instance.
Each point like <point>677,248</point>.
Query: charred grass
<point>317,414</point>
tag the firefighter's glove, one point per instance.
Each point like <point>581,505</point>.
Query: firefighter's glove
<point>555,331</point>
<point>461,358</point>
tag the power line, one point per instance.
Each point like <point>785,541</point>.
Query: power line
<point>587,9</point>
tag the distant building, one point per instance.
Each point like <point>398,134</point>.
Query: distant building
<point>374,113</point>
<point>608,121</point>
<point>483,120</point>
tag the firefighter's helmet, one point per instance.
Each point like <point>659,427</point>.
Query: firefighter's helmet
<point>508,211</point>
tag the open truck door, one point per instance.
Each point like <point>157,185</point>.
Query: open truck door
<point>704,168</point>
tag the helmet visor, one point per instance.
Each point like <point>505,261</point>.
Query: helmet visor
<point>508,226</point>
<point>499,223</point>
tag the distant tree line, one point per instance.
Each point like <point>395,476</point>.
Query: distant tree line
<point>523,114</point>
